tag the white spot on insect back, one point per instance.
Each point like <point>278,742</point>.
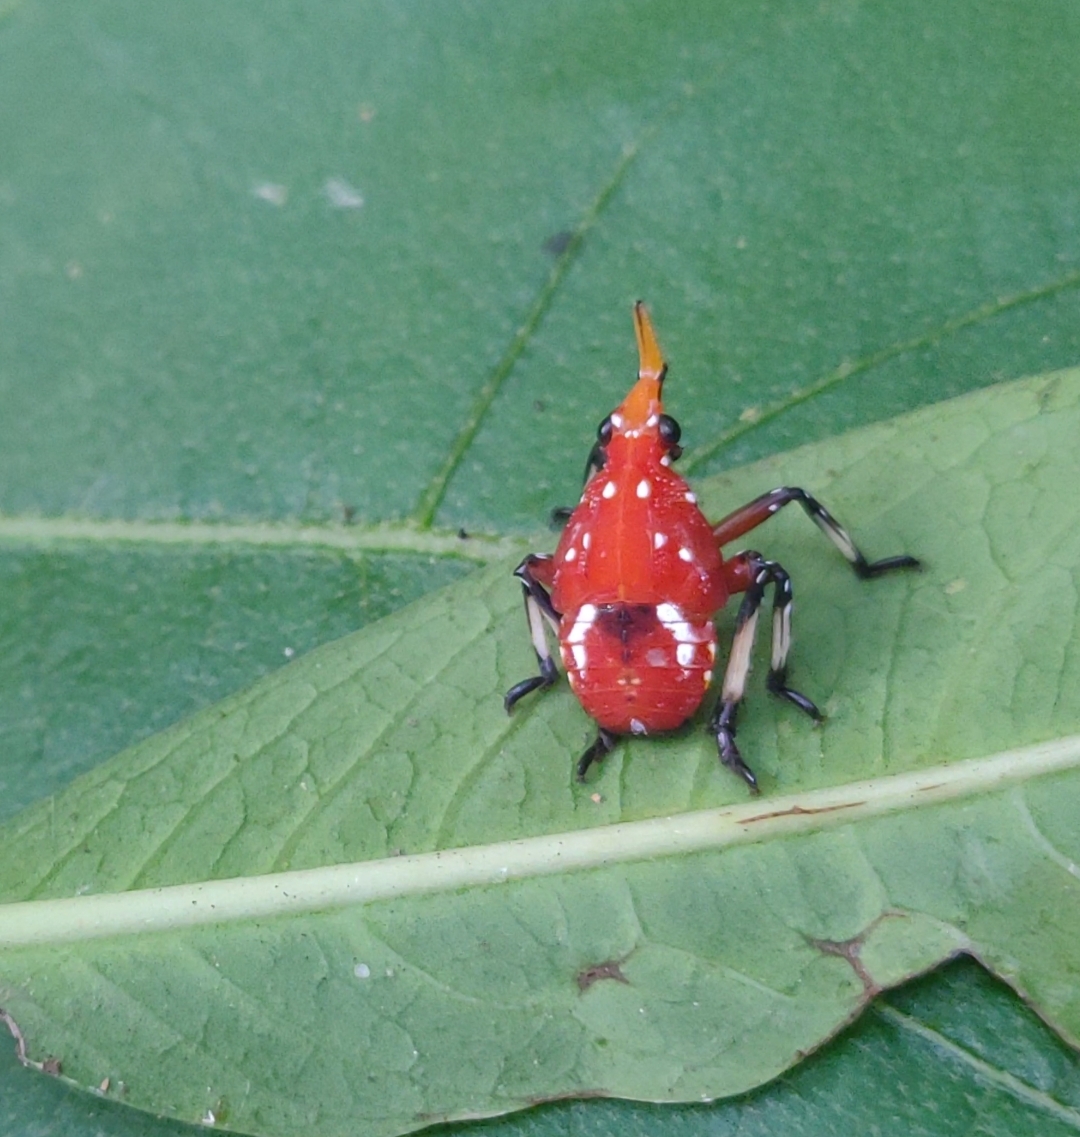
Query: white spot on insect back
<point>682,631</point>
<point>580,656</point>
<point>665,460</point>
<point>617,421</point>
<point>644,488</point>
<point>652,420</point>
<point>570,554</point>
<point>586,540</point>
<point>610,490</point>
<point>585,618</point>
<point>691,498</point>
<point>685,554</point>
<point>659,540</point>
<point>684,654</point>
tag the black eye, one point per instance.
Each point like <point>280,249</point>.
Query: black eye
<point>603,434</point>
<point>670,431</point>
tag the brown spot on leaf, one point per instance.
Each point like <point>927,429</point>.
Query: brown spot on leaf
<point>611,969</point>
<point>558,243</point>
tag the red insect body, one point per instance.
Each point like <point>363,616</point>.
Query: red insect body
<point>638,576</point>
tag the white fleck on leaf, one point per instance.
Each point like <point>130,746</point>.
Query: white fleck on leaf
<point>341,195</point>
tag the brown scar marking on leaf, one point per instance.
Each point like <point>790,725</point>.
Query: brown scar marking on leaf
<point>49,1066</point>
<point>20,1042</point>
<point>851,949</point>
<point>798,810</point>
<point>609,969</point>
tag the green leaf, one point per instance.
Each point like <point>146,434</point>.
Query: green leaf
<point>836,212</point>
<point>453,927</point>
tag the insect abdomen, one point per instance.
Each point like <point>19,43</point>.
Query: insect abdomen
<point>638,668</point>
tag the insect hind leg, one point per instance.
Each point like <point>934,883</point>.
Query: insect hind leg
<point>783,602</point>
<point>752,573</point>
<point>600,749</point>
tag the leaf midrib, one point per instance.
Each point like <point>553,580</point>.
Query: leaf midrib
<point>385,537</point>
<point>173,907</point>
<point>987,1072</point>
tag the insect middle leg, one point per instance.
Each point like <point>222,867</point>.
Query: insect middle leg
<point>751,515</point>
<point>752,574</point>
<point>535,573</point>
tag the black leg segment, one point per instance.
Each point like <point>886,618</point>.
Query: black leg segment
<point>548,674</point>
<point>722,725</point>
<point>600,749</point>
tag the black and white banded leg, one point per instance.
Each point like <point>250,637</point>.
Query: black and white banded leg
<point>722,724</point>
<point>538,612</point>
<point>762,508</point>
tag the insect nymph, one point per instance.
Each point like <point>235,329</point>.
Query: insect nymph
<point>638,577</point>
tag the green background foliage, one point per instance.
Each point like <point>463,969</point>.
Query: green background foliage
<point>836,213</point>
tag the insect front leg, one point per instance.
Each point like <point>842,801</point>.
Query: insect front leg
<point>752,574</point>
<point>535,573</point>
<point>560,515</point>
<point>751,515</point>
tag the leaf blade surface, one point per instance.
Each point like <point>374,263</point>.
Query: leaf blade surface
<point>689,975</point>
